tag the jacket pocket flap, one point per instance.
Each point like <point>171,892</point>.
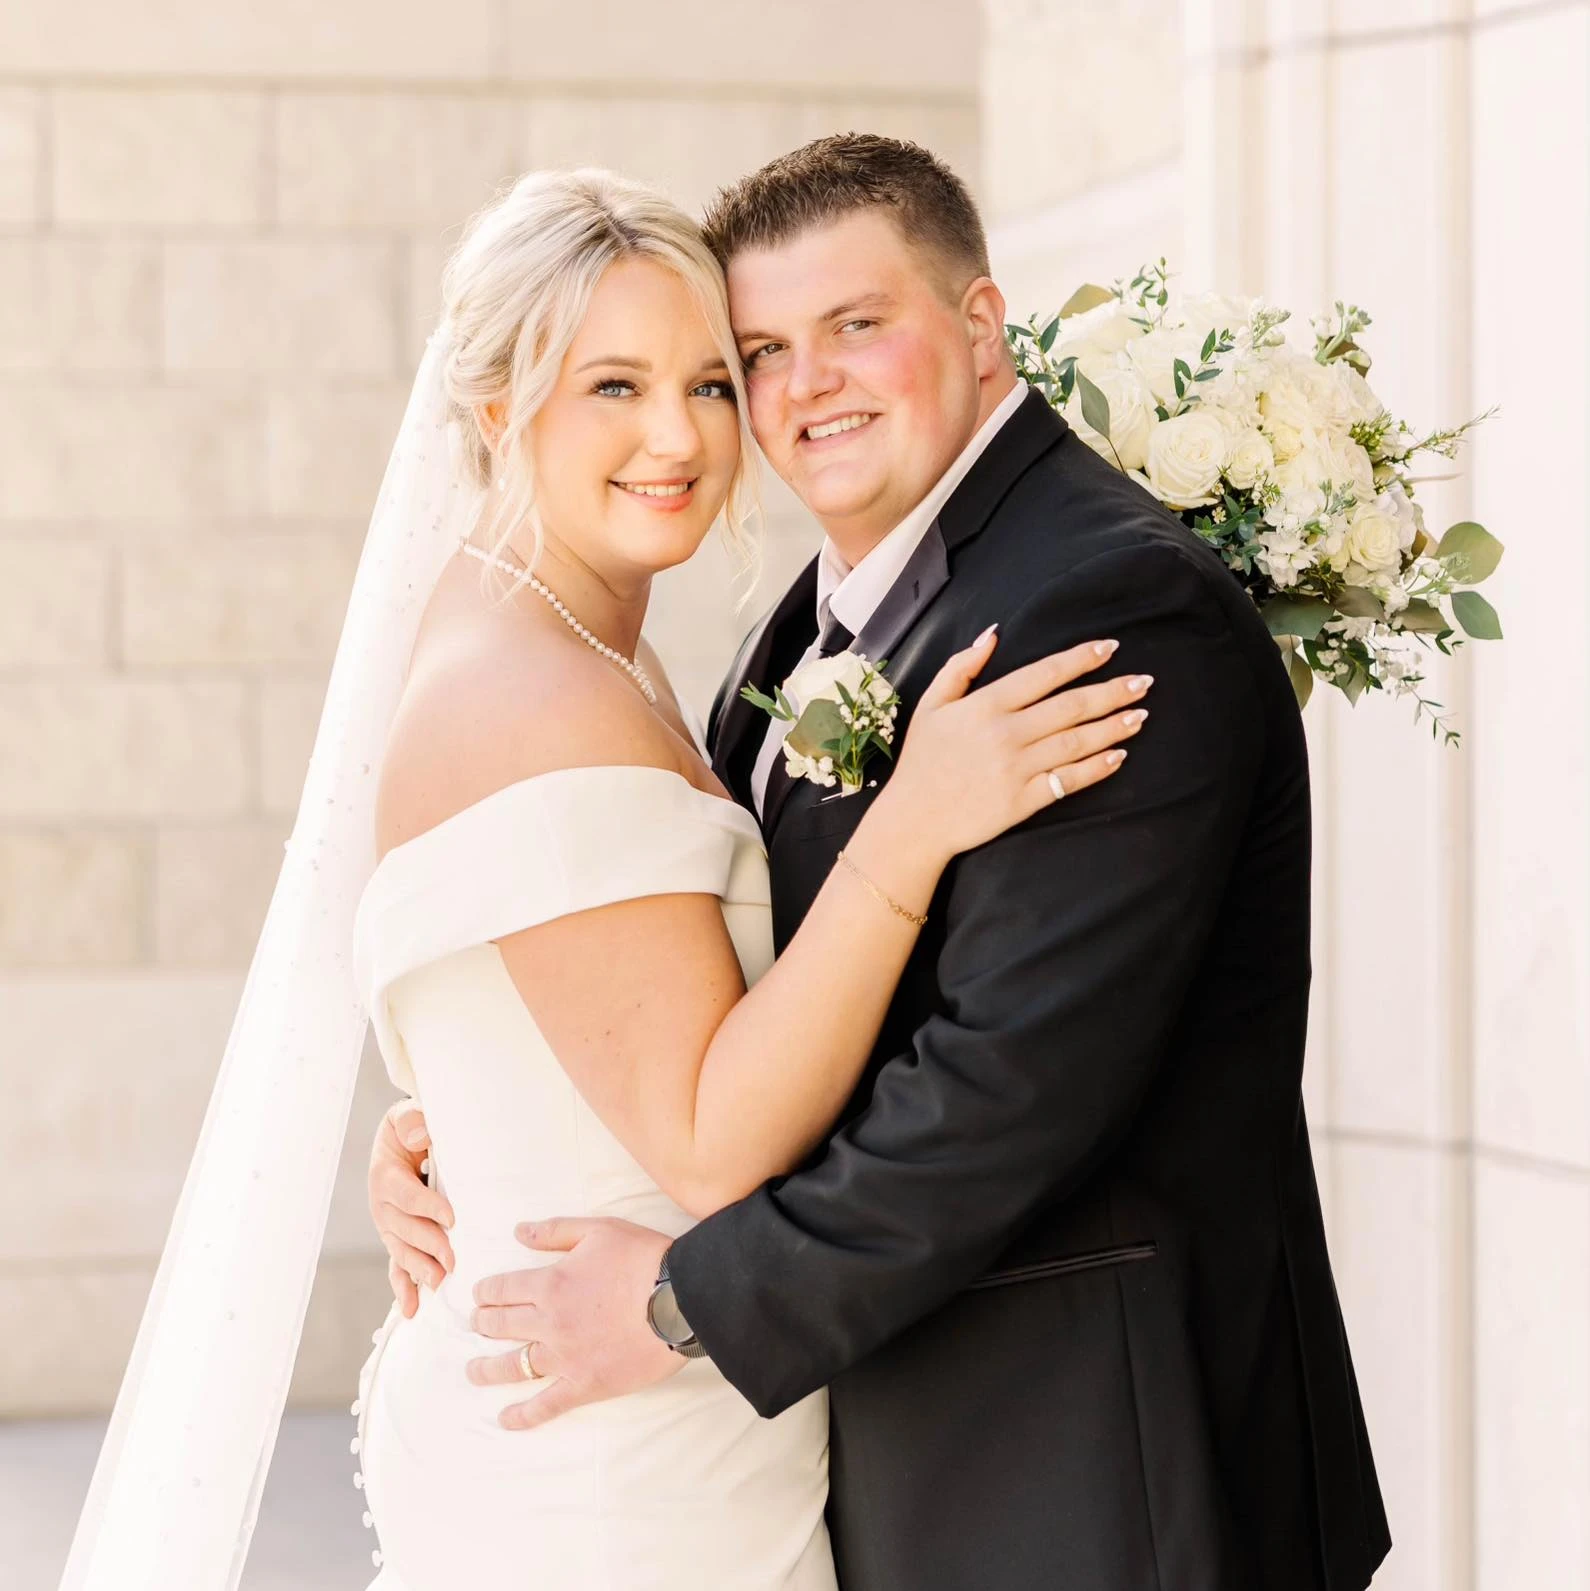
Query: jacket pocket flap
<point>1067,1264</point>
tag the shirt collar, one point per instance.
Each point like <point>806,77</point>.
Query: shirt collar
<point>853,594</point>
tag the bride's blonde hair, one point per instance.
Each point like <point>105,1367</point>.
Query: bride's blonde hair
<point>514,295</point>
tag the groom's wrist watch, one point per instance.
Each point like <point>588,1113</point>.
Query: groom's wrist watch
<point>667,1320</point>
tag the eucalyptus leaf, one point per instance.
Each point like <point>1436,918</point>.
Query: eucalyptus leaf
<point>1477,616</point>
<point>1303,616</point>
<point>1095,406</point>
<point>1302,677</point>
<point>816,729</point>
<point>1047,336</point>
<point>1470,551</point>
<point>1423,618</point>
<point>1355,684</point>
<point>1088,296</point>
<point>755,697</point>
<point>1357,603</point>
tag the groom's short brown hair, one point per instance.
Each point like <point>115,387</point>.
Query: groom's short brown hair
<point>832,177</point>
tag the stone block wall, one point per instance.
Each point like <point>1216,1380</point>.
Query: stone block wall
<point>221,230</point>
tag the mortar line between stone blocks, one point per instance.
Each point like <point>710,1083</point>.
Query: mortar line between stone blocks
<point>509,88</point>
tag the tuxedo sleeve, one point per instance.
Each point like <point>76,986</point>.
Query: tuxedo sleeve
<point>1069,944</point>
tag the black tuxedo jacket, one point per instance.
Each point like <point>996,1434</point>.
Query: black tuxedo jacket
<point>1062,1264</point>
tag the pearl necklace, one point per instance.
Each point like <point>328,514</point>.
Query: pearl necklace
<point>523,576</point>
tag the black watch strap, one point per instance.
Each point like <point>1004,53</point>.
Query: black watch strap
<point>688,1346</point>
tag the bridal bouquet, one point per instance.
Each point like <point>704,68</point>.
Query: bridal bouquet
<point>1282,458</point>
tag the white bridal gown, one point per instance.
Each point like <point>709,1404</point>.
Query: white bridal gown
<point>678,1488</point>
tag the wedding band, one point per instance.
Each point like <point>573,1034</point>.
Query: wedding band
<point>1055,785</point>
<point>527,1369</point>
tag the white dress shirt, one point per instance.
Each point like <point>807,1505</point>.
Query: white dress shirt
<point>853,595</point>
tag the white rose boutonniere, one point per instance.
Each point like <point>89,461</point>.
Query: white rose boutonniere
<point>841,711</point>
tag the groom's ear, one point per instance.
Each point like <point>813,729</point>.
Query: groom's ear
<point>983,306</point>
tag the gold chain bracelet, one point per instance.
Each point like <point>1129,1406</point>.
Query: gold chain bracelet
<point>888,900</point>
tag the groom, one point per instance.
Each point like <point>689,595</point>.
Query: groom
<point>1062,1264</point>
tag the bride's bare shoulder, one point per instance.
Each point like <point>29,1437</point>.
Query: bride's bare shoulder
<point>488,704</point>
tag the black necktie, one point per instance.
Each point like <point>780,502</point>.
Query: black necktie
<point>834,637</point>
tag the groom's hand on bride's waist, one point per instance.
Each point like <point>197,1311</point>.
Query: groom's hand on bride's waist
<point>411,1218</point>
<point>582,1323</point>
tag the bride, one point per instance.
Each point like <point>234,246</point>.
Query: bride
<point>564,946</point>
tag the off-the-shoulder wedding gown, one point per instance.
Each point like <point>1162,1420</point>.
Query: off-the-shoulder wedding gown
<point>678,1488</point>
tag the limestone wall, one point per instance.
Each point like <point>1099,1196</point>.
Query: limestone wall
<point>221,227</point>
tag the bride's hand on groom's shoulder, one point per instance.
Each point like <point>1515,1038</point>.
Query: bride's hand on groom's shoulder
<point>411,1218</point>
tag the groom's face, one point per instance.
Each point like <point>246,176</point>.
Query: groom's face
<point>860,369</point>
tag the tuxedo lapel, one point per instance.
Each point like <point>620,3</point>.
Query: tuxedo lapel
<point>1023,439</point>
<point>739,730</point>
<point>924,576</point>
<point>1029,433</point>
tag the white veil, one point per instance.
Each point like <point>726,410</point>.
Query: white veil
<point>178,1482</point>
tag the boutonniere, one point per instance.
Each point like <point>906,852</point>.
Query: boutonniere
<point>841,711</point>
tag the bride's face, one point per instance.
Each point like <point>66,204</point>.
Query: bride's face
<point>636,447</point>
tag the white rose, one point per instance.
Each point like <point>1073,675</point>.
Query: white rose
<point>1248,459</point>
<point>1347,464</point>
<point>1206,312</point>
<point>819,679</point>
<point>1131,415</point>
<point>1334,402</point>
<point>1096,333</point>
<point>1154,358</point>
<point>1374,540</point>
<point>1184,458</point>
<point>1288,411</point>
<point>1302,477</point>
<point>1365,407</point>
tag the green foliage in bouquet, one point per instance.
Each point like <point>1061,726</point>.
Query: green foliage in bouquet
<point>1285,462</point>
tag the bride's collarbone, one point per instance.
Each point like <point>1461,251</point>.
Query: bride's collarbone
<point>505,690</point>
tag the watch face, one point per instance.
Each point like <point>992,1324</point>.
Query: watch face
<point>666,1318</point>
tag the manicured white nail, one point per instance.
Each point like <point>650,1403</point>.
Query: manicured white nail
<point>1115,758</point>
<point>1140,684</point>
<point>1104,648</point>
<point>985,635</point>
<point>1134,718</point>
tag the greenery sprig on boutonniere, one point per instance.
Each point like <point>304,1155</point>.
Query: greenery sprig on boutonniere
<point>841,712</point>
